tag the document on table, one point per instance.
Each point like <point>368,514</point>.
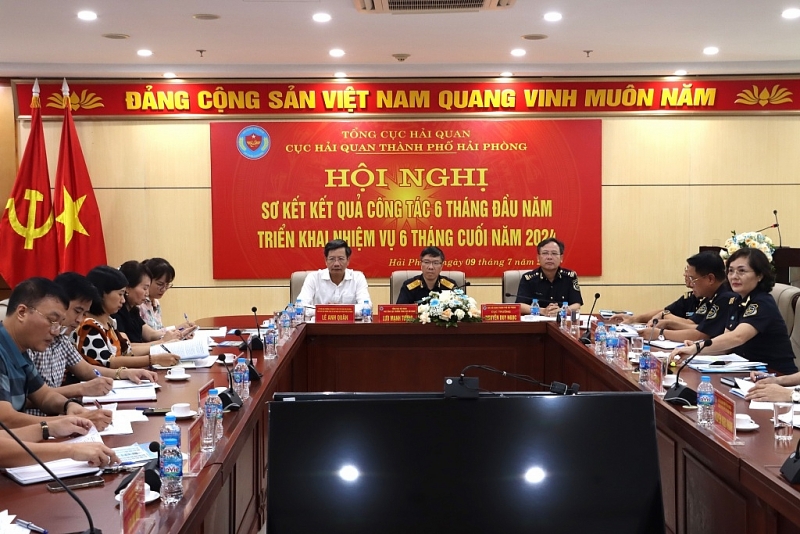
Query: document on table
<point>144,393</point>
<point>733,363</point>
<point>188,349</point>
<point>7,525</point>
<point>666,344</point>
<point>64,468</point>
<point>208,361</point>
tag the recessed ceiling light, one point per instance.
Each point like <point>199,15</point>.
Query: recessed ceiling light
<point>144,53</point>
<point>170,75</point>
<point>87,15</point>
<point>553,16</point>
<point>205,16</point>
<point>116,35</point>
<point>518,52</point>
<point>711,50</point>
<point>321,17</point>
<point>680,72</point>
<point>340,74</point>
<point>506,74</point>
<point>791,13</point>
<point>336,52</point>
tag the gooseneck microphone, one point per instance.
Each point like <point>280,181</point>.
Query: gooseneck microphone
<point>254,374</point>
<point>678,394</point>
<point>230,399</point>
<point>467,387</point>
<point>256,342</point>
<point>586,337</point>
<point>92,529</point>
<point>778,226</point>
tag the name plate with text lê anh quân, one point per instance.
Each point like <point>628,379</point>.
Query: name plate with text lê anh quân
<point>335,313</point>
<point>500,313</point>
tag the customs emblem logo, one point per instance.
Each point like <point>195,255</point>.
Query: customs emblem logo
<point>751,310</point>
<point>253,142</point>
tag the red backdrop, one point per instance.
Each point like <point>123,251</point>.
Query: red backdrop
<point>484,191</point>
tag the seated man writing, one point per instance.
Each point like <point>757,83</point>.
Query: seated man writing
<point>417,288</point>
<point>62,355</point>
<point>705,272</point>
<point>36,310</point>
<point>336,284</point>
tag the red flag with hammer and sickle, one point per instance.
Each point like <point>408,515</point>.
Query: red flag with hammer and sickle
<point>27,232</point>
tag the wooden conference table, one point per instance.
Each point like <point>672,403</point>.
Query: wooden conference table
<point>709,486</point>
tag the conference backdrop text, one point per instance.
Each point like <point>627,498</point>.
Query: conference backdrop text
<point>484,191</point>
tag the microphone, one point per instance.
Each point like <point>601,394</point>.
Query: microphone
<point>791,467</point>
<point>152,471</point>
<point>92,529</point>
<point>464,286</point>
<point>255,341</point>
<point>586,337</point>
<point>254,374</point>
<point>230,399</point>
<point>678,394</point>
<point>652,332</point>
<point>778,226</point>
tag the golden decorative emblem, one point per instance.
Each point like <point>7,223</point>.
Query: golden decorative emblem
<point>778,95</point>
<point>85,101</point>
<point>751,310</point>
<point>713,313</point>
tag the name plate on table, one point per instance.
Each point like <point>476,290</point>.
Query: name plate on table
<point>500,313</point>
<point>196,457</point>
<point>131,504</point>
<point>335,313</point>
<point>397,313</point>
<point>725,418</point>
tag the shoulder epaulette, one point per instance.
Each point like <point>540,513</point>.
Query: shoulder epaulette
<point>414,285</point>
<point>446,283</point>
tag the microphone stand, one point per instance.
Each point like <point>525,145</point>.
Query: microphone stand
<point>251,368</point>
<point>230,399</point>
<point>678,394</point>
<point>586,337</point>
<point>256,342</point>
<point>92,529</point>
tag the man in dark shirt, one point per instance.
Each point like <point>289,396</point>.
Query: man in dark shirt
<point>417,288</point>
<point>705,272</point>
<point>550,284</point>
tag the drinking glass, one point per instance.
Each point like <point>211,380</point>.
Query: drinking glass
<point>783,414</point>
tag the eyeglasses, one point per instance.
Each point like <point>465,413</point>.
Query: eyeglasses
<point>339,259</point>
<point>692,279</point>
<point>548,254</point>
<point>163,286</point>
<point>738,272</point>
<point>428,263</point>
<point>55,326</point>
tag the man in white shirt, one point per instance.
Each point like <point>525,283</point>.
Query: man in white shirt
<point>337,284</point>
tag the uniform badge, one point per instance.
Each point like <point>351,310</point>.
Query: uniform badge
<point>527,277</point>
<point>414,285</point>
<point>575,285</point>
<point>702,310</point>
<point>712,313</point>
<point>446,283</point>
<point>731,301</point>
<point>751,310</point>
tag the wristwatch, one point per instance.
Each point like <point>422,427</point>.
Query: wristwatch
<point>661,335</point>
<point>76,401</point>
<point>45,431</point>
<point>796,395</point>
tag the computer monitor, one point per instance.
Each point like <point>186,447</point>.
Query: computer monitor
<point>572,464</point>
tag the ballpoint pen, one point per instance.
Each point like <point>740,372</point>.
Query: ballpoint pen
<point>97,373</point>
<point>30,526</point>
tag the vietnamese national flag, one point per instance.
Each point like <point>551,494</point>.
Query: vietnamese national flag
<point>80,232</point>
<point>27,237</point>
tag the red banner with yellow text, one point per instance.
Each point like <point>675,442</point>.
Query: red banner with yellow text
<point>137,99</point>
<point>484,191</point>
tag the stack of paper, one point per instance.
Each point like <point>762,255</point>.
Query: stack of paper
<point>30,474</point>
<point>724,363</point>
<point>138,392</point>
<point>188,349</point>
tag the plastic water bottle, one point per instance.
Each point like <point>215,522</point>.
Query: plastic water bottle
<point>366,312</point>
<point>563,313</point>
<point>270,342</point>
<point>299,315</point>
<point>705,403</point>
<point>241,379</point>
<point>535,308</point>
<point>213,404</point>
<point>644,366</point>
<point>286,324</point>
<point>171,473</point>
<point>612,342</point>
<point>169,430</point>
<point>600,339</point>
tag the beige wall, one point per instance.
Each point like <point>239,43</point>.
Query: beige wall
<point>670,184</point>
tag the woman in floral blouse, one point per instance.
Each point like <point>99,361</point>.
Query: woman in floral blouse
<point>97,337</point>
